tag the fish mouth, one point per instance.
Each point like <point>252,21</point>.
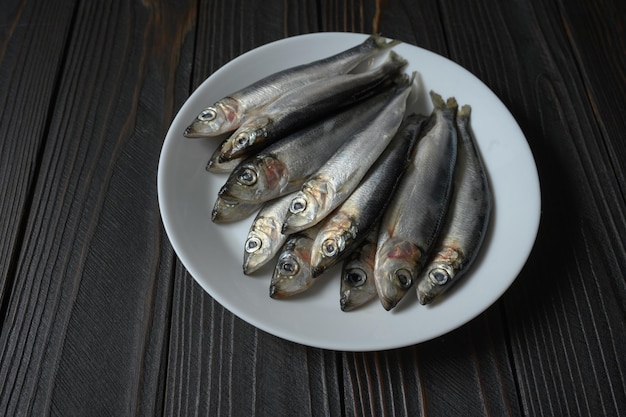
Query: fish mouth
<point>226,153</point>
<point>345,303</point>
<point>192,132</point>
<point>389,292</point>
<point>279,291</point>
<point>251,264</point>
<point>317,271</point>
<point>424,297</point>
<point>274,292</point>
<point>389,302</point>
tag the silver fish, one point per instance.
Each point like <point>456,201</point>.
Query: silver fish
<point>226,114</point>
<point>415,215</point>
<point>264,239</point>
<point>226,211</point>
<point>301,106</point>
<point>467,220</point>
<point>348,224</point>
<point>330,185</point>
<point>282,167</point>
<point>292,274</point>
<point>215,166</point>
<point>357,273</point>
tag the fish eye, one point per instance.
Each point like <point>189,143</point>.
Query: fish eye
<point>404,278</point>
<point>247,177</point>
<point>207,115</point>
<point>439,276</point>
<point>253,244</point>
<point>330,248</point>
<point>245,137</point>
<point>355,277</point>
<point>288,266</point>
<point>298,205</point>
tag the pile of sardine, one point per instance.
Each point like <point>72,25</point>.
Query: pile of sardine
<point>338,168</point>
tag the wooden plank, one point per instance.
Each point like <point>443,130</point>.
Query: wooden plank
<point>229,29</point>
<point>594,31</point>
<point>220,365</point>
<point>26,93</point>
<point>87,326</point>
<point>565,313</point>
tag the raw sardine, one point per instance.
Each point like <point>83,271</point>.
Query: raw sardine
<point>264,239</point>
<point>357,273</point>
<point>466,224</point>
<point>292,274</point>
<point>330,185</point>
<point>415,215</point>
<point>349,223</point>
<point>282,167</point>
<point>301,106</point>
<point>227,114</point>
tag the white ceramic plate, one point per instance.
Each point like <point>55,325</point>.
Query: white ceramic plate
<point>213,253</point>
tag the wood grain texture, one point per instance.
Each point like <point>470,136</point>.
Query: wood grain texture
<point>24,47</point>
<point>100,318</point>
<point>87,325</point>
<point>566,311</point>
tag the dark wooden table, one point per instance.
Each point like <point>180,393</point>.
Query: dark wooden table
<point>98,316</point>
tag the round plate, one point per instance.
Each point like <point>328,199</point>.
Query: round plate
<point>213,254</point>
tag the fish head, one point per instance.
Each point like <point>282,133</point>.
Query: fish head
<point>397,265</point>
<point>246,137</point>
<point>357,286</point>
<point>258,248</point>
<point>214,120</point>
<point>440,274</point>
<point>330,245</point>
<point>260,179</point>
<point>305,206</point>
<point>292,274</point>
<point>434,282</point>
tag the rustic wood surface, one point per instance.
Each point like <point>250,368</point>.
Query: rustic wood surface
<point>98,316</point>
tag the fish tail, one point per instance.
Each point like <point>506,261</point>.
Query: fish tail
<point>450,104</point>
<point>465,111</point>
<point>382,43</point>
<point>397,58</point>
<point>437,100</point>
